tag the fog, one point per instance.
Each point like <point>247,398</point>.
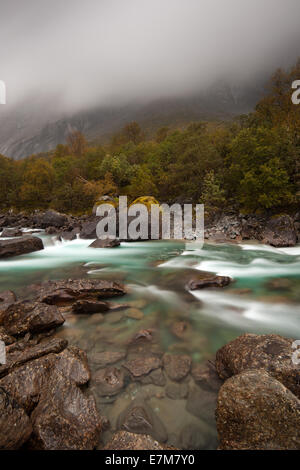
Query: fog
<point>104,52</point>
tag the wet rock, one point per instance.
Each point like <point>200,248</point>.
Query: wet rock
<point>156,377</point>
<point>73,364</point>
<point>6,299</point>
<point>65,418</point>
<point>11,232</point>
<point>177,391</point>
<point>280,232</point>
<point>69,291</point>
<point>142,365</point>
<point>107,243</point>
<point>139,418</point>
<point>255,411</point>
<point>193,437</point>
<point>15,427</point>
<point>50,219</point>
<point>20,246</point>
<point>90,306</point>
<point>7,339</point>
<point>124,440</point>
<point>22,317</point>
<point>15,357</point>
<point>143,335</point>
<point>206,376</point>
<point>177,366</point>
<point>69,236</point>
<point>106,358</point>
<point>202,404</point>
<point>209,281</point>
<point>272,353</point>
<point>109,381</point>
<point>26,382</point>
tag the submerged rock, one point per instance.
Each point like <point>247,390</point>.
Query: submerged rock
<point>20,246</point>
<point>140,418</point>
<point>255,411</point>
<point>124,440</point>
<point>15,426</point>
<point>142,365</point>
<point>206,376</point>
<point>106,358</point>
<point>272,353</point>
<point>109,381</point>
<point>177,366</point>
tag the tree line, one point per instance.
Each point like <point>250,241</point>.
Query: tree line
<point>251,164</point>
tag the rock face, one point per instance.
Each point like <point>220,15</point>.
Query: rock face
<point>124,440</point>
<point>108,243</point>
<point>280,232</point>
<point>269,352</point>
<point>20,246</point>
<point>15,426</point>
<point>51,219</point>
<point>67,292</point>
<point>64,419</point>
<point>255,411</point>
<point>11,232</point>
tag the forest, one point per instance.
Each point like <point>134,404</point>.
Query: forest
<point>250,164</point>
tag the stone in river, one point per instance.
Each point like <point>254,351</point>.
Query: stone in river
<point>109,381</point>
<point>22,317</point>
<point>142,365</point>
<point>257,412</point>
<point>20,246</point>
<point>123,440</point>
<point>106,358</point>
<point>107,243</point>
<point>90,306</point>
<point>177,366</point>
<point>208,280</point>
<point>11,232</point>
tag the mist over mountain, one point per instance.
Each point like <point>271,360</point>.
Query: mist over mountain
<point>96,65</point>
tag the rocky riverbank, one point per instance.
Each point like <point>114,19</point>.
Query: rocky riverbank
<point>278,231</point>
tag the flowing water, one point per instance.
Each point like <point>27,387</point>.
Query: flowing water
<point>264,298</point>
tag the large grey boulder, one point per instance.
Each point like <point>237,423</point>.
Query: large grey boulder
<point>20,246</point>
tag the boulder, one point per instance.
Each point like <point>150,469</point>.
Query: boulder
<point>124,440</point>
<point>11,232</point>
<point>206,376</point>
<point>88,230</point>
<point>34,317</point>
<point>280,232</point>
<point>51,219</point>
<point>20,246</point>
<point>89,307</point>
<point>107,243</point>
<point>177,366</point>
<point>69,236</point>
<point>208,280</point>
<point>272,353</point>
<point>257,412</point>
<point>15,426</point>
<point>15,357</point>
<point>69,291</point>
<point>65,418</point>
<point>72,362</point>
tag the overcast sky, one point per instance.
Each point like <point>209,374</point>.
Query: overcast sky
<point>111,51</point>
